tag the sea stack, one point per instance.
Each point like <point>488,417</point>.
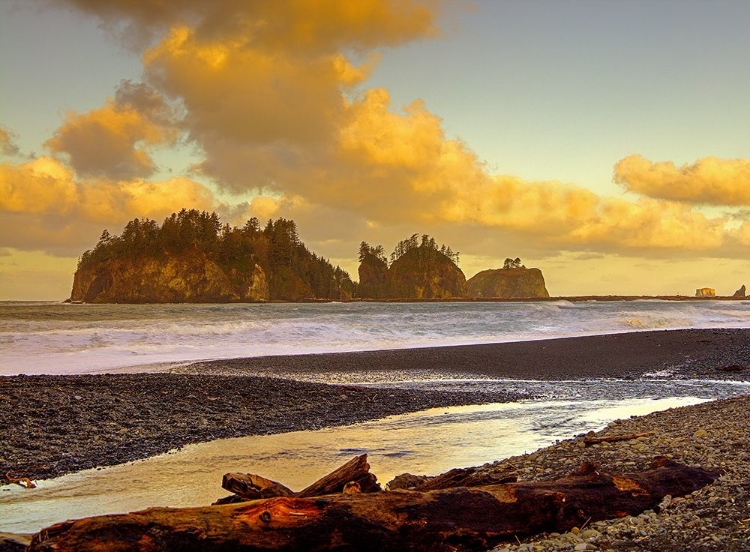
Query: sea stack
<point>705,292</point>
<point>508,283</point>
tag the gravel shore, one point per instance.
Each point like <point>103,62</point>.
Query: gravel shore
<point>60,424</point>
<point>685,353</point>
<point>714,435</point>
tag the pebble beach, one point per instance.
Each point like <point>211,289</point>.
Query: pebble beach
<point>713,435</point>
<point>61,424</point>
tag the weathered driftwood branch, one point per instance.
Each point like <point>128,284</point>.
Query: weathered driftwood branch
<point>354,476</point>
<point>22,481</point>
<point>251,486</point>
<point>449,519</point>
<point>357,470</point>
<point>613,438</point>
<point>457,477</point>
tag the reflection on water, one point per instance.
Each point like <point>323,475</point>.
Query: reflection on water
<point>427,442</point>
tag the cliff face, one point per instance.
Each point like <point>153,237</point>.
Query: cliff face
<point>424,273</point>
<point>186,279</point>
<point>514,283</point>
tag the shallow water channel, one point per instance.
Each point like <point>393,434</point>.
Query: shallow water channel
<point>427,442</point>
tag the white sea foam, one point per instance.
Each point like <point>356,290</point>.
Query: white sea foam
<point>57,338</point>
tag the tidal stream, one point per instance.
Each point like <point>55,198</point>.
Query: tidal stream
<point>427,442</point>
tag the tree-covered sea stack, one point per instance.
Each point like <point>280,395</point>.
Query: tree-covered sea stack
<point>419,269</point>
<point>192,257</point>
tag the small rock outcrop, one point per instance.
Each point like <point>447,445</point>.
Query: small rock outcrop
<point>417,271</point>
<point>740,293</point>
<point>705,292</point>
<point>507,283</point>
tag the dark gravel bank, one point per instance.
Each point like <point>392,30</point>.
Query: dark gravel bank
<point>688,353</point>
<point>54,425</point>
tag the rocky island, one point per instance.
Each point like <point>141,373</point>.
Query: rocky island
<point>418,270</point>
<point>193,258</point>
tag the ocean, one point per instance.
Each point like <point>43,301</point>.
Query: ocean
<point>58,338</point>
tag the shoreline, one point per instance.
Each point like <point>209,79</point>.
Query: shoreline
<point>712,435</point>
<point>60,424</point>
<point>78,422</point>
<point>571,298</point>
<point>55,425</point>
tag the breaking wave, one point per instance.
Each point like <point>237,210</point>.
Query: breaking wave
<point>59,338</point>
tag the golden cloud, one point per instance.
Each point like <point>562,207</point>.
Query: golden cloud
<point>311,26</point>
<point>709,180</point>
<point>44,198</point>
<point>39,186</point>
<point>273,96</point>
<point>353,152</point>
<point>650,224</point>
<point>247,95</point>
<point>8,142</point>
<point>112,141</point>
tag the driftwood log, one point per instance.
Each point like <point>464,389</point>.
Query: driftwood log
<point>250,486</point>
<point>354,476</point>
<point>475,518</point>
<point>357,470</point>
<point>457,477</point>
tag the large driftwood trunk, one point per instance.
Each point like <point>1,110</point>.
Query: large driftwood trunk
<point>460,518</point>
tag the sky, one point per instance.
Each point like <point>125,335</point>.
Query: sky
<point>605,142</point>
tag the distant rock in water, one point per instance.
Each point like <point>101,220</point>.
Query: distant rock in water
<point>740,293</point>
<point>705,292</point>
<point>507,283</point>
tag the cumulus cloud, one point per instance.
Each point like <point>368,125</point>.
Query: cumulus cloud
<point>8,142</point>
<point>649,224</point>
<point>709,180</point>
<point>274,95</point>
<point>113,141</point>
<point>250,96</point>
<point>299,25</point>
<point>53,208</point>
<point>39,186</point>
